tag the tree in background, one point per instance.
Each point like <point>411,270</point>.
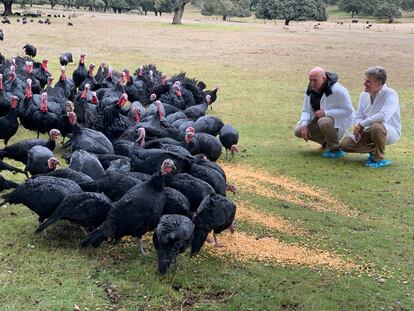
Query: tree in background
<point>351,6</point>
<point>387,9</point>
<point>162,6</point>
<point>292,10</point>
<point>407,5</point>
<point>226,8</point>
<point>7,7</point>
<point>146,5</point>
<point>178,8</point>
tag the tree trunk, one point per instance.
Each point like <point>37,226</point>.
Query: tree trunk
<point>287,22</point>
<point>390,19</point>
<point>160,13</point>
<point>8,8</point>
<point>353,13</point>
<point>178,14</point>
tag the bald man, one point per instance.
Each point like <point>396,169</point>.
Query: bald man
<point>327,112</point>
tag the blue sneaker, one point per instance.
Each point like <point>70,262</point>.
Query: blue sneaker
<point>376,164</point>
<point>333,154</point>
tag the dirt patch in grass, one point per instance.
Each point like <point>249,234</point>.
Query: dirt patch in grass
<point>191,299</point>
<point>247,248</point>
<point>261,183</point>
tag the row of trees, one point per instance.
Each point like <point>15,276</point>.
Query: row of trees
<point>288,10</point>
<point>378,8</point>
<point>118,6</point>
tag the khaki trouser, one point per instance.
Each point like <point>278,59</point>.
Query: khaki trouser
<point>322,131</point>
<point>373,140</point>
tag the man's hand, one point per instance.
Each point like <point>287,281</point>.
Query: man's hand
<point>358,129</point>
<point>304,132</point>
<point>319,114</point>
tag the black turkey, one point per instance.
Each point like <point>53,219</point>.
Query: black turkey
<point>216,213</point>
<point>172,237</point>
<point>229,138</point>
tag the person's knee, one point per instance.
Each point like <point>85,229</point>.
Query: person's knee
<point>378,128</point>
<point>325,122</point>
<point>346,144</point>
<point>297,132</point>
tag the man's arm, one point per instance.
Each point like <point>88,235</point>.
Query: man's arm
<point>346,106</point>
<point>360,115</point>
<point>386,112</point>
<point>305,116</point>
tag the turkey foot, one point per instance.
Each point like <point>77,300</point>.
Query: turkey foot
<point>216,242</point>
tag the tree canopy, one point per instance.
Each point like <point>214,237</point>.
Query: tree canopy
<point>226,8</point>
<point>378,8</point>
<point>291,10</point>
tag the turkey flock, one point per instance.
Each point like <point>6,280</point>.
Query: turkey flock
<point>141,151</point>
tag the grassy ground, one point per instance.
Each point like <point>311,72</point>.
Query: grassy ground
<point>261,71</point>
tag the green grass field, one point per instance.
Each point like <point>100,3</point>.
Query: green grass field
<point>358,215</point>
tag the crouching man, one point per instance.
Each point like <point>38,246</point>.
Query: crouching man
<point>327,112</point>
<point>377,121</point>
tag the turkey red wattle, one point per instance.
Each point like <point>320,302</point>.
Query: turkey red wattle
<point>167,167</point>
<point>159,109</point>
<point>91,69</point>
<point>177,90</point>
<point>43,104</point>
<point>122,79</point>
<point>72,118</point>
<point>137,114</point>
<point>190,129</point>
<point>63,74</point>
<point>234,149</point>
<point>28,91</point>
<point>86,91</point>
<point>141,71</point>
<point>50,80</point>
<point>141,137</point>
<point>54,134</point>
<point>94,98</point>
<point>127,74</point>
<point>44,65</point>
<point>82,58</point>
<point>12,76</point>
<point>52,163</point>
<point>189,137</point>
<point>13,102</point>
<point>164,79</point>
<point>122,100</point>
